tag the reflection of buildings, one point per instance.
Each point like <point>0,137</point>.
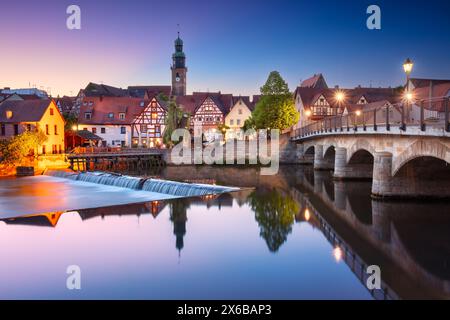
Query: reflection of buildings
<point>138,209</point>
<point>40,220</point>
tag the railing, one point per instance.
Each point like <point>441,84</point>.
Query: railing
<point>110,150</point>
<point>434,113</point>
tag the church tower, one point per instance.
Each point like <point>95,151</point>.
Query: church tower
<point>179,69</point>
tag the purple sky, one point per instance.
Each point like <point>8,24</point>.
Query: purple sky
<point>230,45</point>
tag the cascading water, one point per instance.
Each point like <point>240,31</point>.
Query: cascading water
<point>152,185</point>
<point>182,189</point>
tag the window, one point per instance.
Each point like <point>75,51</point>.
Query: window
<point>238,122</point>
<point>44,149</point>
<point>90,103</point>
<point>240,111</point>
<point>47,132</point>
<point>88,115</point>
<point>123,130</point>
<point>103,130</point>
<point>94,130</point>
<point>16,129</point>
<point>142,103</point>
<point>110,115</point>
<point>56,130</point>
<point>218,119</point>
<point>28,127</point>
<point>54,149</point>
<point>52,112</point>
<point>231,122</point>
<point>59,149</point>
<point>85,103</point>
<point>122,116</point>
<point>154,115</point>
<point>85,129</point>
<point>3,129</point>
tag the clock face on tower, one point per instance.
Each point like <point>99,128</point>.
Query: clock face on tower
<point>177,78</point>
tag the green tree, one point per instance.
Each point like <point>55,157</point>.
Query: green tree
<point>21,147</point>
<point>70,121</point>
<point>173,121</point>
<point>274,213</point>
<point>275,109</point>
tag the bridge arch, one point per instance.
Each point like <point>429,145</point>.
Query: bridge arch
<point>311,150</point>
<point>360,144</point>
<point>434,149</point>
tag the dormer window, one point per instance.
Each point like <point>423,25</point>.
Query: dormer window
<point>90,103</point>
<point>122,116</point>
<point>110,115</point>
<point>88,115</point>
<point>142,103</point>
<point>9,114</point>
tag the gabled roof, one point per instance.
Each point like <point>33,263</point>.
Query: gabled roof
<point>191,103</point>
<point>420,83</point>
<point>97,90</point>
<point>102,106</point>
<point>245,100</point>
<point>23,110</point>
<point>316,81</point>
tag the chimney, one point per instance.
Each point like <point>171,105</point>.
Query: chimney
<point>336,87</point>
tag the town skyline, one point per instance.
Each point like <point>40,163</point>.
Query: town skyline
<point>219,59</point>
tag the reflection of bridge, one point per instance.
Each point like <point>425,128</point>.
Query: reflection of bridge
<point>404,158</point>
<point>370,232</point>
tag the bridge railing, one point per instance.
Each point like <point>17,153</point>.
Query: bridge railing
<point>420,114</point>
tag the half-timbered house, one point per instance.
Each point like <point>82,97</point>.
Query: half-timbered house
<point>148,127</point>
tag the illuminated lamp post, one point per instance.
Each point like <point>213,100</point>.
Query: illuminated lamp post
<point>407,67</point>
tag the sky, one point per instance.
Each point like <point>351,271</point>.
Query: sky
<point>231,45</point>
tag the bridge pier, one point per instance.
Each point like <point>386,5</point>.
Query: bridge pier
<point>343,170</point>
<point>320,163</point>
<point>382,175</point>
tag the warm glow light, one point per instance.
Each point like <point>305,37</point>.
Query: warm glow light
<point>74,128</point>
<point>307,215</point>
<point>340,96</point>
<point>308,113</point>
<point>358,112</point>
<point>408,66</point>
<point>337,253</point>
<point>409,96</point>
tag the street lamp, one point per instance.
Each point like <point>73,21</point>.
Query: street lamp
<point>407,67</point>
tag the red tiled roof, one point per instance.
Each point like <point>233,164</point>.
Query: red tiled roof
<point>101,107</point>
<point>438,91</point>
<point>420,83</point>
<point>151,91</point>
<point>191,103</point>
<point>23,111</point>
<point>312,82</point>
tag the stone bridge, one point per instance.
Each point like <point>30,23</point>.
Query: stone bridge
<point>401,164</point>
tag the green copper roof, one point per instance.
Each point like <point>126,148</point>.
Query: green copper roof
<point>179,55</point>
<point>178,42</point>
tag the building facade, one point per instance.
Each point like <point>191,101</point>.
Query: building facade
<point>18,116</point>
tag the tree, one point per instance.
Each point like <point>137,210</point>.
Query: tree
<point>21,147</point>
<point>70,121</point>
<point>275,109</point>
<point>173,121</point>
<point>274,213</point>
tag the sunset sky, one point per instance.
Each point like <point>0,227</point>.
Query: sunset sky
<point>230,45</point>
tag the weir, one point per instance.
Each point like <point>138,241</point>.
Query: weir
<point>174,188</point>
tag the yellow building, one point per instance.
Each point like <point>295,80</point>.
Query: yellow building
<point>17,117</point>
<point>239,113</point>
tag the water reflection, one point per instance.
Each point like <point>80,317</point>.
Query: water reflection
<point>409,241</point>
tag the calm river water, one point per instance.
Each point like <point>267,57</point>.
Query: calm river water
<point>296,235</point>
